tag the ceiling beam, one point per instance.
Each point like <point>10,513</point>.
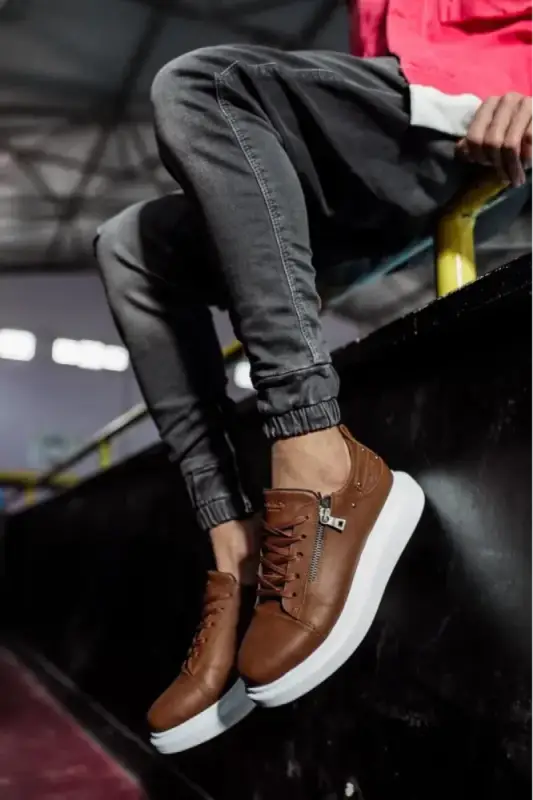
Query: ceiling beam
<point>111,116</point>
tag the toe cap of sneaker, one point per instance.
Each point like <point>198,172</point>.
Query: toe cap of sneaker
<point>184,699</point>
<point>274,644</point>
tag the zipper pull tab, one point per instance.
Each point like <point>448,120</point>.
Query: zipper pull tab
<point>338,523</point>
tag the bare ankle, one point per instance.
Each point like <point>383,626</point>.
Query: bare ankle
<point>317,461</point>
<point>236,546</point>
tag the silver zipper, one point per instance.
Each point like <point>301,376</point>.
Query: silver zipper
<point>325,520</point>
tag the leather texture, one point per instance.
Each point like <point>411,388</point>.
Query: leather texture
<point>305,583</point>
<point>210,663</point>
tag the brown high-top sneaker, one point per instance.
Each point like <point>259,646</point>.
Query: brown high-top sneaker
<point>325,565</point>
<point>207,697</point>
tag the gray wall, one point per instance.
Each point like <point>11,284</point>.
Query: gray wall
<point>40,397</point>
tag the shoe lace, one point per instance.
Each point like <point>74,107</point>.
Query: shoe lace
<point>276,557</point>
<point>210,611</point>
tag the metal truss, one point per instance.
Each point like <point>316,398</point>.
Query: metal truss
<point>121,155</point>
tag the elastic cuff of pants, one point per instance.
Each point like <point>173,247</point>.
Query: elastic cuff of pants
<point>299,421</point>
<point>223,509</point>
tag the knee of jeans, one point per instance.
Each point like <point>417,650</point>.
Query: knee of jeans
<point>183,75</point>
<point>114,247</point>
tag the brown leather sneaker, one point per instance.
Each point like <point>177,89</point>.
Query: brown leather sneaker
<point>325,564</point>
<point>207,698</point>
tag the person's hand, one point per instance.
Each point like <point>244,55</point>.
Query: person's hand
<point>500,136</point>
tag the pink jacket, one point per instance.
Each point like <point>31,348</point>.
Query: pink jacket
<point>480,47</point>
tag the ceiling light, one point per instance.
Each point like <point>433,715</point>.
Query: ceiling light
<point>115,358</point>
<point>17,345</point>
<point>86,354</point>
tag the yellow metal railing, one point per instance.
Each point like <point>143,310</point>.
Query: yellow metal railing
<point>454,241</point>
<point>101,444</point>
<point>105,454</point>
<point>27,482</point>
<point>24,479</point>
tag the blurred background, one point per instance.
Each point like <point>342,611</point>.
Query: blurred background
<point>76,146</point>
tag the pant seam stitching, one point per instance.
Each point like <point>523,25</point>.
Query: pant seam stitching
<point>271,206</point>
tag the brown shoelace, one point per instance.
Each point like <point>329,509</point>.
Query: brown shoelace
<point>276,557</point>
<point>211,610</point>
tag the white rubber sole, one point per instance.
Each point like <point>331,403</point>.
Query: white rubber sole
<point>218,718</point>
<point>385,544</point>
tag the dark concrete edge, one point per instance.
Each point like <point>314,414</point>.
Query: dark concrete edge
<point>499,284</point>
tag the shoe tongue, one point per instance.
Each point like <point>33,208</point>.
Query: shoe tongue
<point>283,506</point>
